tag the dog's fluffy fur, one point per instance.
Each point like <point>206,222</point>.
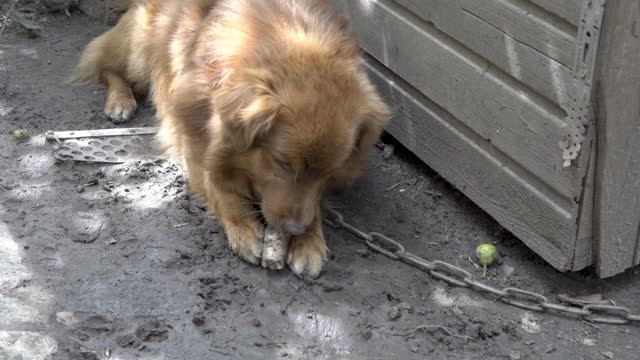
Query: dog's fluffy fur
<point>266,101</point>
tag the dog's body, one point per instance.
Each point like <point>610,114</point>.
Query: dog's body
<point>265,100</point>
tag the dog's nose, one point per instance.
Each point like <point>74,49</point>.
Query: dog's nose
<point>294,228</point>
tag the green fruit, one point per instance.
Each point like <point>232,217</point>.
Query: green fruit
<point>486,254</point>
<point>21,134</point>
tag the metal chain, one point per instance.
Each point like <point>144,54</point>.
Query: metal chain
<point>455,275</point>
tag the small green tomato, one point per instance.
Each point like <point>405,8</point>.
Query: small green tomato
<point>21,134</point>
<point>486,254</point>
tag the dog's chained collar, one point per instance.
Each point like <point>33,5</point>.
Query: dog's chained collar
<point>457,276</point>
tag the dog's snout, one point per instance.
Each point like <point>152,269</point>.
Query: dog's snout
<point>294,228</point>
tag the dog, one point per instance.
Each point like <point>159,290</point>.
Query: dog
<point>267,103</point>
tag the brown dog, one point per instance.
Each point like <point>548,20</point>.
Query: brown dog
<point>265,100</point>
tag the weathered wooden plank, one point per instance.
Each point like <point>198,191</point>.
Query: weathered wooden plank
<point>569,10</point>
<point>516,121</point>
<point>637,262</point>
<point>543,74</point>
<point>585,239</point>
<point>470,163</point>
<point>618,162</point>
<point>529,25</point>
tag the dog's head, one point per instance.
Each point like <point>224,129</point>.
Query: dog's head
<point>297,125</point>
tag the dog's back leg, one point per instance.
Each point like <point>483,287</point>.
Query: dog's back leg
<point>120,103</point>
<point>105,60</point>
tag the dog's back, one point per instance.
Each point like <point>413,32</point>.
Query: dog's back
<point>160,34</point>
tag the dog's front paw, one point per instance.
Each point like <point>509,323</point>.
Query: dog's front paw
<point>120,107</point>
<point>307,254</point>
<point>246,241</point>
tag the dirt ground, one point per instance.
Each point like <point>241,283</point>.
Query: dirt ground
<point>117,262</point>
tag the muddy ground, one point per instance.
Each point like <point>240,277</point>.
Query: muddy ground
<point>117,262</point>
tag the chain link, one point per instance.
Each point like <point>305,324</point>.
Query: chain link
<point>524,299</point>
<point>476,285</point>
<point>455,275</point>
<point>450,273</point>
<point>418,262</point>
<point>607,314</point>
<point>567,310</point>
<point>387,241</point>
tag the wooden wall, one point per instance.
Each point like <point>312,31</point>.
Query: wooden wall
<point>618,157</point>
<point>486,92</point>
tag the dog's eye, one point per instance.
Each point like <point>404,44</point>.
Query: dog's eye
<point>284,165</point>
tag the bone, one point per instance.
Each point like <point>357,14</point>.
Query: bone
<point>274,251</point>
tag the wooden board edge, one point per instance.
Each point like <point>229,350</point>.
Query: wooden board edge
<point>583,255</point>
<point>637,261</point>
<point>568,10</point>
<point>530,25</point>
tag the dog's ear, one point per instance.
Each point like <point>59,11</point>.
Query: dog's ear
<point>249,110</point>
<point>254,120</point>
<point>375,118</point>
